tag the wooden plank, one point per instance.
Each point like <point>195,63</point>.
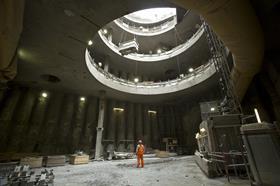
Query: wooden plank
<point>79,159</point>
<point>33,162</point>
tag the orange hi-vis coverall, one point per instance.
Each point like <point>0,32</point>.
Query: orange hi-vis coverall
<point>140,152</point>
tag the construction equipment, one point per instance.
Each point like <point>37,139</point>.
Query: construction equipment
<point>262,141</point>
<point>220,148</point>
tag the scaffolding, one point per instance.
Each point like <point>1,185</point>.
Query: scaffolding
<point>219,54</point>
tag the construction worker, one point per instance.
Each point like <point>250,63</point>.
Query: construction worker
<point>140,149</point>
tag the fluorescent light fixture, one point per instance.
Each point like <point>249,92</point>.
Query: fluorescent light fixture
<point>158,51</point>
<point>136,80</point>
<point>100,64</point>
<point>190,69</point>
<point>212,109</point>
<point>105,31</point>
<point>44,94</point>
<point>257,115</point>
<point>90,42</point>
<point>82,98</point>
<point>202,130</point>
<point>118,109</point>
<point>152,111</point>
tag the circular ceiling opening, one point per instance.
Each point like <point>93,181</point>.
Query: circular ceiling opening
<point>50,78</point>
<point>154,34</point>
<point>152,15</point>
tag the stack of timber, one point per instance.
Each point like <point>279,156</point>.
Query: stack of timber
<point>79,159</point>
<point>52,161</point>
<point>33,162</point>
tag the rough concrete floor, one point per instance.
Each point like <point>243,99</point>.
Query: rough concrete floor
<point>164,172</point>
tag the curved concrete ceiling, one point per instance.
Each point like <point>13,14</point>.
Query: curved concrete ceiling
<point>53,43</point>
<point>235,22</point>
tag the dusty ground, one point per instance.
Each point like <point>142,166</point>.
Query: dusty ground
<point>161,172</point>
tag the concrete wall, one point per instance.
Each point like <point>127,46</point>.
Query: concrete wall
<point>59,123</point>
<point>134,123</point>
<point>62,123</point>
<point>264,92</point>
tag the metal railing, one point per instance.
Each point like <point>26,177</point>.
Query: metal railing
<point>156,57</point>
<point>144,84</point>
<point>147,30</point>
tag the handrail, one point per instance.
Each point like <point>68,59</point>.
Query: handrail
<point>149,85</point>
<point>157,57</point>
<point>147,30</point>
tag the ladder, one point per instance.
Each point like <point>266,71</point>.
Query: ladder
<point>219,55</point>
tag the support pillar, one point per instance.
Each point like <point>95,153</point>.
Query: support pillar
<point>172,123</point>
<point>130,127</point>
<point>65,124</point>
<point>147,127</point>
<point>48,131</point>
<point>77,124</point>
<point>109,141</point>
<point>99,129</point>
<point>124,75</point>
<point>121,128</point>
<point>6,114</point>
<point>167,121</point>
<point>20,120</point>
<point>139,122</point>
<point>106,67</point>
<point>89,131</point>
<point>155,130</point>
<point>35,123</point>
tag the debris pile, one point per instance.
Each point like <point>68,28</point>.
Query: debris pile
<point>22,175</point>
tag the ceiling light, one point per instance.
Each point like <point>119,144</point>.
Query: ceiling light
<point>90,42</point>
<point>152,111</point>
<point>212,109</point>
<point>118,109</point>
<point>257,115</point>
<point>190,69</point>
<point>82,98</point>
<point>105,31</point>
<point>44,94</point>
<point>181,75</point>
<point>136,80</point>
<point>100,64</point>
<point>158,51</point>
<point>202,130</point>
